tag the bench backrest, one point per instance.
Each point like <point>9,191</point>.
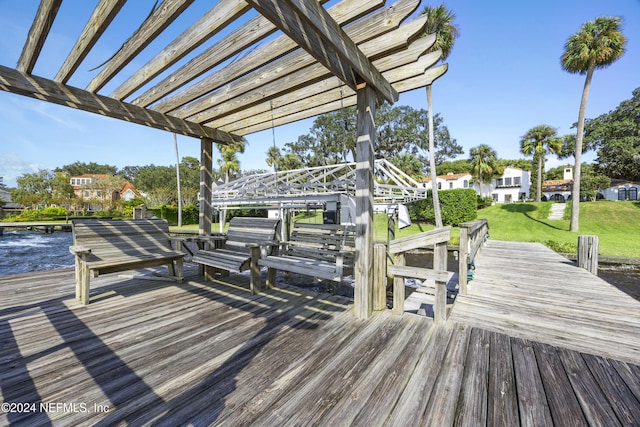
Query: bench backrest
<point>243,230</point>
<point>109,238</point>
<point>322,241</point>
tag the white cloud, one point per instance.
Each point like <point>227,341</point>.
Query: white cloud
<point>12,166</point>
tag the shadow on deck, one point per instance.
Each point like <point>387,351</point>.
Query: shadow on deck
<point>151,352</point>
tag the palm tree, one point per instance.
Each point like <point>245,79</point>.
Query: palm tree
<point>597,44</point>
<point>440,23</point>
<point>229,161</point>
<point>483,164</point>
<point>273,157</point>
<point>537,142</point>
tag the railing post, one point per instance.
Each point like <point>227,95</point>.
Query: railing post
<point>398,287</point>
<point>588,253</point>
<point>379,277</point>
<point>440,303</point>
<point>463,254</point>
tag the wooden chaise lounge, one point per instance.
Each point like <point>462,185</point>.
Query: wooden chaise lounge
<point>105,246</point>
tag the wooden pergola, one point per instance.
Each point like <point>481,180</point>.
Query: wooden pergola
<point>294,59</point>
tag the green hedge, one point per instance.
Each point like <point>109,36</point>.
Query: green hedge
<point>190,214</point>
<point>460,205</point>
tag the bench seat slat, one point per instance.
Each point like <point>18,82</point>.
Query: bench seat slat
<point>324,251</point>
<point>234,254</point>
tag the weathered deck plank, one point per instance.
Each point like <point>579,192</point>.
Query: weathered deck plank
<point>526,290</point>
<point>148,351</point>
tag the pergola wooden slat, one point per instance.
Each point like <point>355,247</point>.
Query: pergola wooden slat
<point>352,53</point>
<point>102,16</point>
<point>38,33</point>
<point>159,20</point>
<point>254,60</point>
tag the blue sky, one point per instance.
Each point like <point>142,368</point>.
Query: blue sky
<point>504,78</point>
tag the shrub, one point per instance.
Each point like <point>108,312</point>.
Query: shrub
<point>52,212</point>
<point>460,205</point>
<point>484,202</point>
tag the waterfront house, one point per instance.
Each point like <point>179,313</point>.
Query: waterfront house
<point>560,189</point>
<point>511,186</point>
<point>450,181</point>
<point>98,192</point>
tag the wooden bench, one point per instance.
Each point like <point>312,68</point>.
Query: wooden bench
<point>232,251</point>
<point>104,246</point>
<point>324,251</point>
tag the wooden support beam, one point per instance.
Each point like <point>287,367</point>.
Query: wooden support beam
<point>160,19</point>
<point>221,15</point>
<point>311,26</point>
<point>380,277</point>
<point>47,90</point>
<point>363,293</point>
<point>100,19</point>
<point>289,74</point>
<point>299,104</point>
<point>281,46</point>
<point>206,185</point>
<point>38,33</point>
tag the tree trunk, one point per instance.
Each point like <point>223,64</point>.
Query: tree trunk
<point>575,192</point>
<point>432,162</point>
<point>539,183</point>
<point>175,144</point>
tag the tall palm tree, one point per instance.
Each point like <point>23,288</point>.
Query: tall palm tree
<point>537,142</point>
<point>440,23</point>
<point>273,157</point>
<point>597,44</point>
<point>483,164</point>
<point>229,160</point>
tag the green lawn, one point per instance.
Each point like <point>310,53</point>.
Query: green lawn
<point>617,225</point>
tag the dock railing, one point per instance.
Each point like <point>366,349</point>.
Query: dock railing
<point>472,235</point>
<point>435,239</point>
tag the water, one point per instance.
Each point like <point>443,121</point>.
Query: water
<point>26,251</point>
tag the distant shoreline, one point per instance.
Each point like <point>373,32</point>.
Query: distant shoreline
<point>632,263</point>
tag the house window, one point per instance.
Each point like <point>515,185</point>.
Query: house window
<point>633,193</point>
<point>507,182</point>
<point>622,193</point>
<point>466,183</point>
<point>99,194</point>
<point>85,194</point>
<point>439,186</point>
<point>507,198</point>
<point>450,185</point>
<point>499,182</point>
<point>516,180</point>
<point>494,196</point>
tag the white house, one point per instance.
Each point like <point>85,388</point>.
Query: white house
<point>621,190</point>
<point>511,186</point>
<point>560,190</point>
<point>450,181</point>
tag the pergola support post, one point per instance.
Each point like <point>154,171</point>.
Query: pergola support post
<point>363,272</point>
<point>206,183</point>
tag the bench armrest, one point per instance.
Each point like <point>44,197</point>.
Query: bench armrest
<point>268,243</point>
<point>79,250</point>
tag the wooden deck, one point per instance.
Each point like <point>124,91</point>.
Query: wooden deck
<point>529,291</point>
<point>153,352</point>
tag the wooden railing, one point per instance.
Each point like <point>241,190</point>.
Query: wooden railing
<point>472,235</point>
<point>435,239</point>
